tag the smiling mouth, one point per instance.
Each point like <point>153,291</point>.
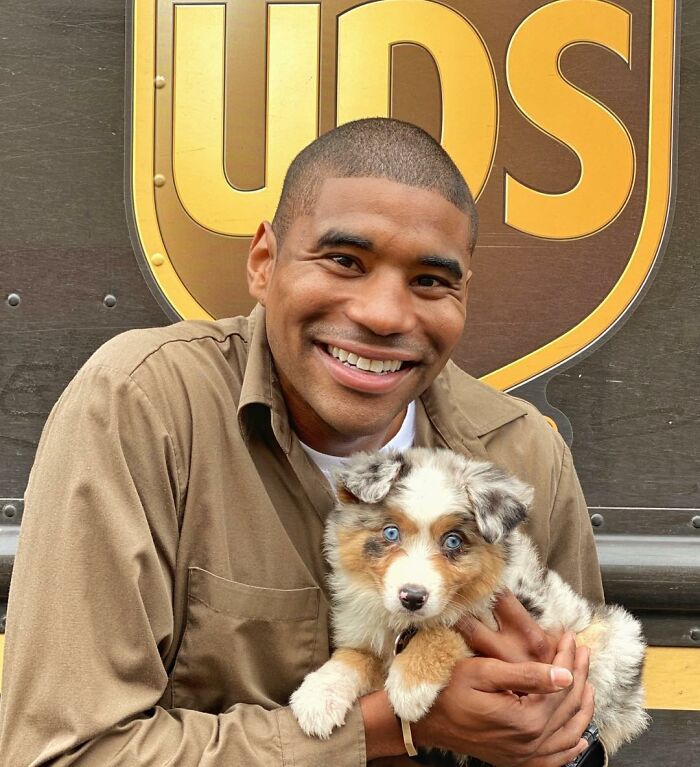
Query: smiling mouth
<point>366,365</point>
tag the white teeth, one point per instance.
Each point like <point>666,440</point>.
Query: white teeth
<point>363,363</point>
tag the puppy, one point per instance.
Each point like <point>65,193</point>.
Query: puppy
<point>417,540</point>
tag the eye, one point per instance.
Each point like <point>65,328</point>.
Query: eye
<point>452,541</point>
<point>347,262</point>
<point>391,533</point>
<point>428,281</point>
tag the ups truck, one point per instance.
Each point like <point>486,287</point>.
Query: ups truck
<point>141,143</point>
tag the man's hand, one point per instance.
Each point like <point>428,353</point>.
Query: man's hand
<point>518,639</point>
<point>480,712</point>
<point>508,708</point>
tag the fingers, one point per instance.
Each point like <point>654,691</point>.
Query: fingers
<point>560,759</point>
<point>481,639</point>
<point>564,710</point>
<point>510,611</point>
<point>574,699</point>
<point>569,735</point>
<point>519,637</point>
<point>566,651</point>
<point>567,742</point>
<point>490,675</point>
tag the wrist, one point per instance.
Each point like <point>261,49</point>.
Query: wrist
<point>382,730</point>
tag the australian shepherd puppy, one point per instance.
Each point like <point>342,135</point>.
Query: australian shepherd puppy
<point>417,540</point>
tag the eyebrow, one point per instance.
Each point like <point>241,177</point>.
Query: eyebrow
<point>334,238</point>
<point>450,264</point>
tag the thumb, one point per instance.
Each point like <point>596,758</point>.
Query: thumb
<point>492,675</point>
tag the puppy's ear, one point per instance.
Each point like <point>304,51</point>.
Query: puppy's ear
<point>368,477</point>
<point>501,500</point>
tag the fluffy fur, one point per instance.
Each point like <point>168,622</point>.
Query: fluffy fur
<point>458,543</point>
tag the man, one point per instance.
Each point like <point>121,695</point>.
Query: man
<point>168,593</point>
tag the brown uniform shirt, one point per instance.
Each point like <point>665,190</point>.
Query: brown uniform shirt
<point>168,592</point>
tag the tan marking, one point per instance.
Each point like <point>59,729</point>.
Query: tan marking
<point>345,496</point>
<point>406,525</point>
<point>431,656</point>
<point>351,543</point>
<point>354,559</point>
<point>446,524</point>
<point>367,666</point>
<point>592,635</point>
<point>471,578</point>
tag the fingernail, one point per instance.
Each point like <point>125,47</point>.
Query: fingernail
<point>561,677</point>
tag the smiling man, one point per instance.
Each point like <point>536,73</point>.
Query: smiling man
<point>170,576</point>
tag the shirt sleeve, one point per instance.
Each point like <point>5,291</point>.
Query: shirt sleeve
<point>90,615</point>
<point>572,550</point>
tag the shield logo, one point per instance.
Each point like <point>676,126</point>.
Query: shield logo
<point>560,114</point>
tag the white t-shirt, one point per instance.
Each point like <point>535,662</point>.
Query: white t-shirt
<point>402,440</point>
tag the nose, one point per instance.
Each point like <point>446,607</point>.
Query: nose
<point>413,597</point>
<point>383,304</point>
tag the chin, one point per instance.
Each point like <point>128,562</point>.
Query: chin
<point>416,541</point>
<point>358,416</point>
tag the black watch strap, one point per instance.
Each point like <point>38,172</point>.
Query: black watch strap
<point>593,756</point>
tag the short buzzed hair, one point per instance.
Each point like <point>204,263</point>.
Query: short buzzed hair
<point>376,147</point>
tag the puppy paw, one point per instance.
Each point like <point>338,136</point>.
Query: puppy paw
<point>410,702</point>
<point>324,699</point>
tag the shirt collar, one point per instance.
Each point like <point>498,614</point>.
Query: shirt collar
<point>260,383</point>
<point>462,409</point>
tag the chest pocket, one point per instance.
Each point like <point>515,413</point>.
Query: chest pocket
<point>246,644</point>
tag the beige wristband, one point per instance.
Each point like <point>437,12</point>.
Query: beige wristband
<point>408,737</point>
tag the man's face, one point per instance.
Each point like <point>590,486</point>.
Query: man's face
<point>375,277</point>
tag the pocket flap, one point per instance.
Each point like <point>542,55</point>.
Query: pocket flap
<point>240,600</point>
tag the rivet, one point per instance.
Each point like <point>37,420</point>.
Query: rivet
<point>159,81</point>
<point>597,520</point>
<point>695,521</point>
<point>695,635</point>
<point>159,179</point>
<point>157,259</point>
<point>9,510</point>
<point>14,299</point>
<point>109,300</point>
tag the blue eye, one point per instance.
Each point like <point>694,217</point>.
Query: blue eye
<point>391,533</point>
<point>452,541</point>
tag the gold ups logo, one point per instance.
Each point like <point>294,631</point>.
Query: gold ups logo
<point>559,114</point>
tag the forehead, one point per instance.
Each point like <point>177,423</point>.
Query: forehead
<point>386,211</point>
<point>429,493</point>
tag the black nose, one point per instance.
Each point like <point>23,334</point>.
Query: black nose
<point>413,597</point>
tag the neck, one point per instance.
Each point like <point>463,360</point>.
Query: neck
<point>323,438</point>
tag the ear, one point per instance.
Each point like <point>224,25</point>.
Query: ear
<point>368,477</point>
<point>501,500</point>
<point>261,261</point>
